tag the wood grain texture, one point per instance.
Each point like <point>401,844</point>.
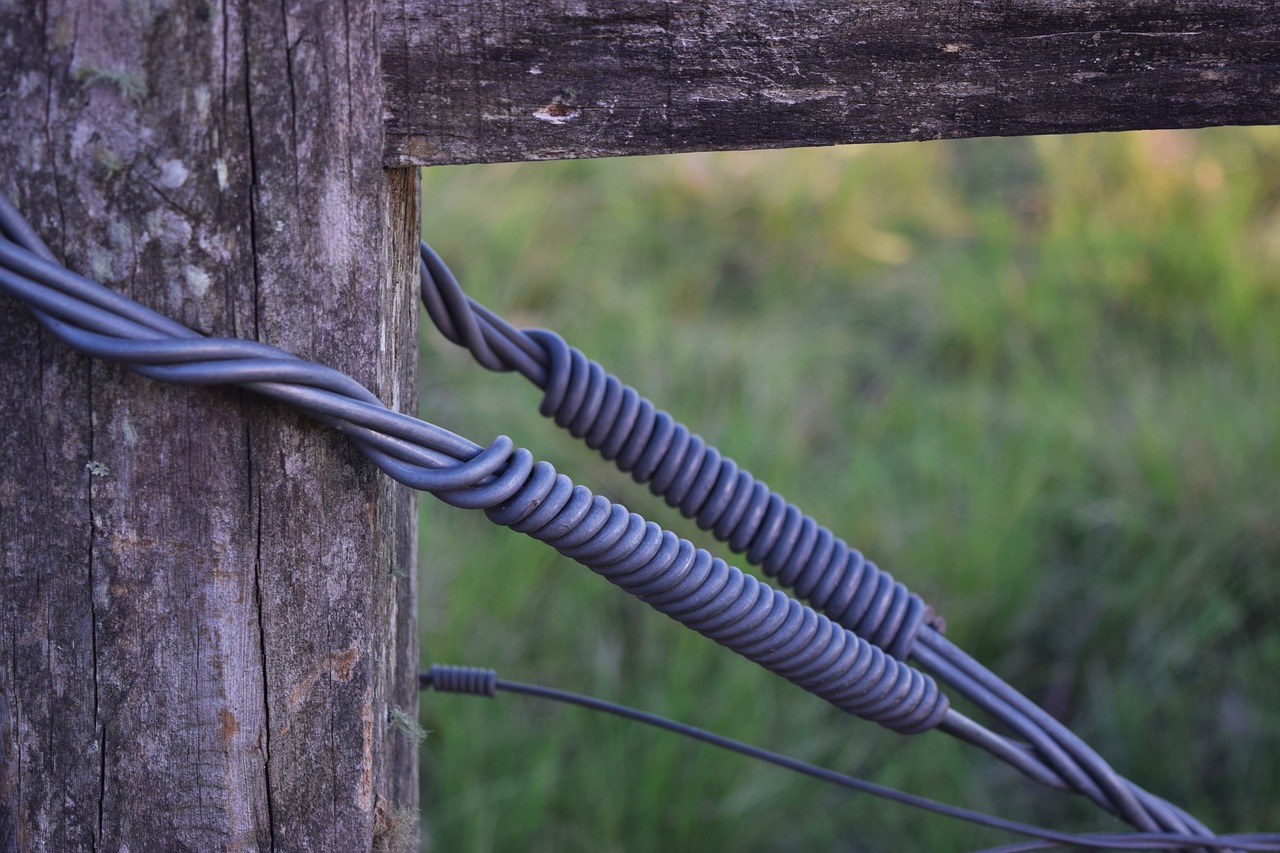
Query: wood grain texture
<point>473,81</point>
<point>201,642</point>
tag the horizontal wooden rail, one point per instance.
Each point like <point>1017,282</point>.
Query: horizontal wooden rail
<point>473,81</point>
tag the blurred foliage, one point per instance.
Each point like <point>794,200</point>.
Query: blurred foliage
<point>1037,379</point>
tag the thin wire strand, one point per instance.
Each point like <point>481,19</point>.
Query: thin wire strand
<point>484,682</point>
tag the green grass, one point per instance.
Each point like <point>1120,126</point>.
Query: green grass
<point>1036,379</point>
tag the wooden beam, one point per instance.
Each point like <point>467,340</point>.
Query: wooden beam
<point>472,81</point>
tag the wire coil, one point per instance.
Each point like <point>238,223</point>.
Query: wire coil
<point>692,587</point>
<point>679,466</point>
<point>686,583</point>
<point>448,678</point>
<point>695,478</point>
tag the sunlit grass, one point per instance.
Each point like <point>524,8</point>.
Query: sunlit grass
<point>1036,379</point>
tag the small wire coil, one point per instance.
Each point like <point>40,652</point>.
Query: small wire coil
<point>459,679</point>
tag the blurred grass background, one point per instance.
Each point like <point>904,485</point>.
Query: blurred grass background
<point>1036,379</point>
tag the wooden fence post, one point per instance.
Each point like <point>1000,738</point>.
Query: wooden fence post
<point>207,603</point>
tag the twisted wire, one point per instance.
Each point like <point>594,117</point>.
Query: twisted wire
<point>670,574</point>
<point>683,469</point>
<point>686,583</point>
<point>695,478</point>
<point>1059,750</point>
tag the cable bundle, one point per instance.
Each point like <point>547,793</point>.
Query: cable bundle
<point>738,509</point>
<point>835,661</point>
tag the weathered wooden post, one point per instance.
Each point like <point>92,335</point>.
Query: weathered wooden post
<point>207,610</point>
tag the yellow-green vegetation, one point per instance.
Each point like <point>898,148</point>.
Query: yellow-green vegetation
<point>1036,379</point>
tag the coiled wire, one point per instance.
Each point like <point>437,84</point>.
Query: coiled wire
<point>683,469</point>
<point>686,583</point>
<point>695,478</point>
<point>448,678</point>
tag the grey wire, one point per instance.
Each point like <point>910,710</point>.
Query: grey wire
<point>1050,738</point>
<point>613,418</point>
<point>670,574</point>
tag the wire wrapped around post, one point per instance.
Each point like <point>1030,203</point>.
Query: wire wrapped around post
<point>670,574</point>
<point>686,583</point>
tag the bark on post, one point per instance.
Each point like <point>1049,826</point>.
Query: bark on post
<point>207,610</point>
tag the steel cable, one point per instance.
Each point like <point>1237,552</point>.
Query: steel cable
<point>692,476</point>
